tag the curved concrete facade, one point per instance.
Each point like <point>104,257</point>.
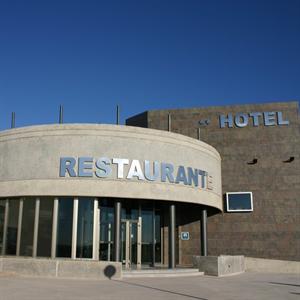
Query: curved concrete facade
<point>30,160</point>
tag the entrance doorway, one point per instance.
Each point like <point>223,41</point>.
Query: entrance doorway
<point>141,233</point>
<point>131,244</point>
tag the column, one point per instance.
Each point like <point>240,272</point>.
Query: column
<point>74,228</point>
<point>36,226</point>
<point>117,237</point>
<point>96,231</point>
<point>54,228</point>
<point>19,227</point>
<point>204,232</point>
<point>172,227</point>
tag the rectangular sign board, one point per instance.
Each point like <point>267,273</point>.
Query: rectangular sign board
<point>185,236</point>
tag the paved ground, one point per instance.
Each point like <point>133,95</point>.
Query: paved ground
<point>242,287</point>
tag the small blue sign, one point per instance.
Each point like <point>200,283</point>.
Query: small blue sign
<point>185,236</point>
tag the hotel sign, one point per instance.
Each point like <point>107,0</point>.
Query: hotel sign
<point>240,120</point>
<point>124,168</point>
<point>270,118</point>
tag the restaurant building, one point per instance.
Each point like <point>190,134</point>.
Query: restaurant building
<point>169,185</point>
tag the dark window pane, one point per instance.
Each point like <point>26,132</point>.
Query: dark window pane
<point>147,234</point>
<point>12,227</point>
<point>2,215</point>
<point>27,227</point>
<point>45,227</point>
<point>64,227</point>
<point>106,229</point>
<point>241,201</point>
<point>85,228</point>
<point>157,237</point>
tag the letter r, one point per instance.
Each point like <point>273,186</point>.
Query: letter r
<point>67,164</point>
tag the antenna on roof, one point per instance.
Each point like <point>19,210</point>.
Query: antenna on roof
<point>118,115</point>
<point>61,114</point>
<point>169,122</point>
<point>13,119</point>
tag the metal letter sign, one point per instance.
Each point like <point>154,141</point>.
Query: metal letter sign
<point>126,169</point>
<point>240,120</point>
<point>185,236</point>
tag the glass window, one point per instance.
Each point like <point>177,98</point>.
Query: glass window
<point>85,228</point>
<point>147,234</point>
<point>64,227</point>
<point>157,236</point>
<point>239,201</point>
<point>2,215</point>
<point>12,227</point>
<point>130,210</point>
<point>45,227</point>
<point>106,229</point>
<point>27,227</point>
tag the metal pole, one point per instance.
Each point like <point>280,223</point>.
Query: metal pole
<point>61,114</point>
<point>13,120</point>
<point>204,232</point>
<point>172,225</point>
<point>118,207</point>
<point>199,136</point>
<point>118,115</point>
<point>169,122</point>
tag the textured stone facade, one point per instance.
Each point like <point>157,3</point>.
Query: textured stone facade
<point>272,230</point>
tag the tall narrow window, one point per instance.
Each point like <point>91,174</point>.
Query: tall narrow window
<point>12,227</point>
<point>147,233</point>
<point>2,215</point>
<point>157,236</point>
<point>85,228</point>
<point>64,227</point>
<point>26,245</point>
<point>45,227</point>
<point>106,229</point>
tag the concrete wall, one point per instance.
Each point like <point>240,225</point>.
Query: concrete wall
<point>220,265</point>
<point>30,157</point>
<point>64,268</point>
<point>271,266</point>
<point>272,230</point>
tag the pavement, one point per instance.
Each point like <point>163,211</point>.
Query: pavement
<point>242,287</point>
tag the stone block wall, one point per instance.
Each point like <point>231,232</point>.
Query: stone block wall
<point>272,230</point>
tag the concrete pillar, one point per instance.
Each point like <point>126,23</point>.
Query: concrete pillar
<point>19,227</point>
<point>54,227</point>
<point>172,228</point>
<point>36,227</point>
<point>74,228</point>
<point>204,232</point>
<point>117,238</point>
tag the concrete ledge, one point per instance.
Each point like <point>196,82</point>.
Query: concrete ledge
<point>64,268</point>
<point>220,265</point>
<point>89,269</point>
<point>271,265</point>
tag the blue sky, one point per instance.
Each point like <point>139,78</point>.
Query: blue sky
<point>143,55</point>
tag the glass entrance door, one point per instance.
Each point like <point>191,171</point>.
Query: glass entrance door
<point>131,244</point>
